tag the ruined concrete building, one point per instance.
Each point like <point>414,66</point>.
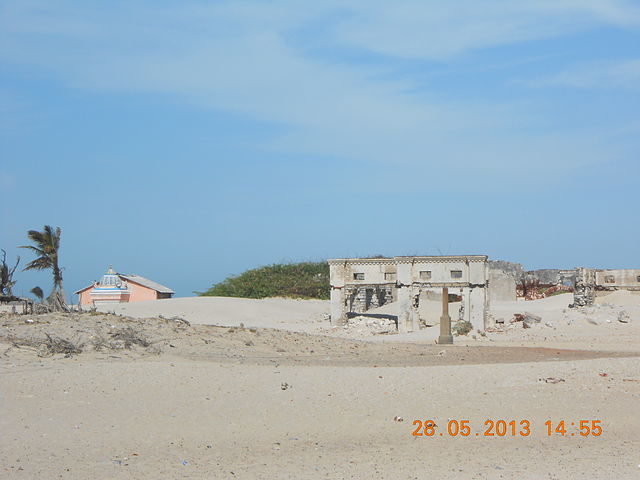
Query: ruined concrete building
<point>517,283</point>
<point>590,281</point>
<point>586,283</point>
<point>358,284</point>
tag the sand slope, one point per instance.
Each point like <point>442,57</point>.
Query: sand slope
<point>282,313</point>
<point>594,327</point>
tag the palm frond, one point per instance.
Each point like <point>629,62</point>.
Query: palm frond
<point>37,237</point>
<point>37,250</point>
<point>37,292</point>
<point>40,263</point>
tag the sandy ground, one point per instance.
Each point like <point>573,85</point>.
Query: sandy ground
<point>207,401</point>
<point>595,328</point>
<point>284,314</point>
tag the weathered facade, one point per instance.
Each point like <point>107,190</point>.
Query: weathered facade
<point>502,286</point>
<point>531,284</point>
<point>627,279</point>
<point>358,284</point>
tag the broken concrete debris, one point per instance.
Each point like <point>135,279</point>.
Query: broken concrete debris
<point>363,325</point>
<point>530,319</point>
<point>552,380</point>
<point>623,317</point>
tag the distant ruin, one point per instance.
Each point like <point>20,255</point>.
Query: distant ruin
<point>361,284</point>
<point>590,282</point>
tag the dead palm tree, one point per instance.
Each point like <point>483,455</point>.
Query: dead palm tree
<point>6,276</point>
<point>46,245</point>
<point>38,293</point>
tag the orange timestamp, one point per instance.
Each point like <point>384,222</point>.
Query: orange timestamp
<point>502,428</point>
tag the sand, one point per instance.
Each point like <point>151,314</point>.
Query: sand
<point>213,400</point>
<point>284,314</point>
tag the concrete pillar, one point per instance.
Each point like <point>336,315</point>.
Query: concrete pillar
<point>414,319</point>
<point>338,316</point>
<point>466,301</point>
<point>404,291</point>
<point>404,309</point>
<point>478,307</point>
<point>445,320</point>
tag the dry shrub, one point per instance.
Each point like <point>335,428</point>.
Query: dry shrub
<point>462,328</point>
<point>48,346</point>
<point>129,337</point>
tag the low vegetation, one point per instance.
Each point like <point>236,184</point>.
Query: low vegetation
<point>293,280</point>
<point>462,327</point>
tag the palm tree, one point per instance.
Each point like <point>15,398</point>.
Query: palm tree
<point>46,246</point>
<point>37,292</point>
<point>6,276</point>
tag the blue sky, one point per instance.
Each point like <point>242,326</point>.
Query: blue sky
<point>189,140</point>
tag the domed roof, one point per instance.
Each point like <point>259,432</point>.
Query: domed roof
<point>110,279</point>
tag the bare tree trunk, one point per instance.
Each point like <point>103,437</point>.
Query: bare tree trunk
<point>57,302</point>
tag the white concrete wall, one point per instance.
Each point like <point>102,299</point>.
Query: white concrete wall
<point>440,271</point>
<point>404,274</point>
<point>336,275</point>
<point>477,308</point>
<point>373,273</point>
<point>627,278</point>
<point>502,287</point>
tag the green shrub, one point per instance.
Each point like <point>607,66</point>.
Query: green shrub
<point>294,280</point>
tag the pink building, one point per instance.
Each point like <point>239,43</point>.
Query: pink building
<point>118,288</point>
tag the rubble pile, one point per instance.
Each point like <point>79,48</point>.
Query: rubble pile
<point>363,325</point>
<point>597,314</point>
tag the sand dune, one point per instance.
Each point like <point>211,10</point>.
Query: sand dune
<point>281,313</point>
<point>560,326</point>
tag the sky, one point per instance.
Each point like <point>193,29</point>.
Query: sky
<point>186,141</point>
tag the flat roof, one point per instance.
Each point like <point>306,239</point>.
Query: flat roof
<point>412,258</point>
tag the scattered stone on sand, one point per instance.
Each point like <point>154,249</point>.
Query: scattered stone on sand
<point>552,380</point>
<point>367,326</point>
<point>623,317</point>
<point>530,318</point>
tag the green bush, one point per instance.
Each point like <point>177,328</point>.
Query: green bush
<point>294,280</point>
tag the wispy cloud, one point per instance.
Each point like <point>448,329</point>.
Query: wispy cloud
<point>439,30</point>
<point>241,58</point>
<point>622,74</point>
